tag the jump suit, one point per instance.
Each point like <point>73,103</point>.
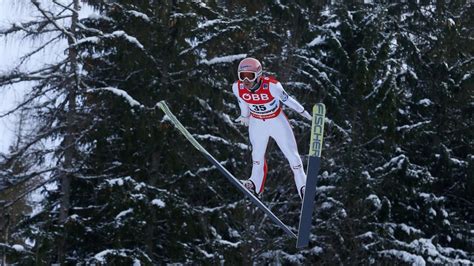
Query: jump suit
<point>266,119</point>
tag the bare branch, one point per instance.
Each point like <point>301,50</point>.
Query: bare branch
<point>19,27</point>
<point>24,103</point>
<point>68,7</point>
<point>16,27</point>
<point>26,177</point>
<point>30,27</point>
<point>53,21</point>
<point>37,139</point>
<point>8,205</point>
<point>16,76</point>
<point>25,57</point>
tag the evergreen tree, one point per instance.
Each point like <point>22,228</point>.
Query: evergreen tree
<point>394,186</point>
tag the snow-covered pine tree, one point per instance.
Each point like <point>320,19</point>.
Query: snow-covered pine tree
<point>186,58</point>
<point>137,51</point>
<point>375,201</point>
<point>387,191</point>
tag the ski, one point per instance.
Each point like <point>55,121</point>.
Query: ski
<point>224,171</point>
<point>314,163</point>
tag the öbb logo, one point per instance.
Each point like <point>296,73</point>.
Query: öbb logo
<point>255,97</point>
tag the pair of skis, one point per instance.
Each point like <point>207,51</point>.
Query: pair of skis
<point>317,130</point>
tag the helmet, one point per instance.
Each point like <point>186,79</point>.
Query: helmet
<point>250,69</point>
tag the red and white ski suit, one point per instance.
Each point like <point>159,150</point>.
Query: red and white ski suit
<point>266,119</point>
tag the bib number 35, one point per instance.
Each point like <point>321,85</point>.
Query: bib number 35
<point>259,107</point>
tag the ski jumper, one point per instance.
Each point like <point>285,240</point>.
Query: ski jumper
<point>266,119</point>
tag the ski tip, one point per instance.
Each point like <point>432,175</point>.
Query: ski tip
<point>161,103</point>
<point>163,106</point>
<point>319,108</point>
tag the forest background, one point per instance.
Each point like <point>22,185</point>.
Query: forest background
<point>94,176</point>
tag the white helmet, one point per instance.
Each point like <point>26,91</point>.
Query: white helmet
<point>250,69</point>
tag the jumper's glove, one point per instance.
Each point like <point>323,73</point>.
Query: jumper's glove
<point>306,115</point>
<point>242,120</point>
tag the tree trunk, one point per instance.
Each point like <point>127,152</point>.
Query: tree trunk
<point>6,219</point>
<point>69,144</point>
<point>155,169</point>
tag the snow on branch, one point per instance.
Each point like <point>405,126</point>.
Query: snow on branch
<point>16,248</point>
<point>123,214</point>
<point>404,256</point>
<point>101,257</point>
<point>409,230</point>
<point>194,43</point>
<point>324,67</point>
<point>205,253</point>
<point>317,41</point>
<point>433,253</point>
<point>226,206</point>
<point>29,27</point>
<point>139,15</point>
<point>99,17</point>
<point>132,102</point>
<point>223,59</point>
<point>158,202</point>
<point>410,127</point>
<point>220,140</point>
<point>394,163</point>
<point>346,134</point>
<point>291,258</point>
<point>209,23</point>
<point>226,119</point>
<point>113,35</point>
<point>224,242</point>
<point>214,23</point>
<point>121,181</point>
<point>430,197</point>
<point>377,87</point>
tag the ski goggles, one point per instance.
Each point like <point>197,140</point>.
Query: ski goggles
<point>247,75</point>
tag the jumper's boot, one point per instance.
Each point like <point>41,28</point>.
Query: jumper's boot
<point>250,186</point>
<point>302,192</point>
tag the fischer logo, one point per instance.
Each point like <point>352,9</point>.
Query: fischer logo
<point>255,97</point>
<point>318,125</point>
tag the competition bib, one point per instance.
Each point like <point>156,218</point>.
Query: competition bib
<point>261,102</point>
